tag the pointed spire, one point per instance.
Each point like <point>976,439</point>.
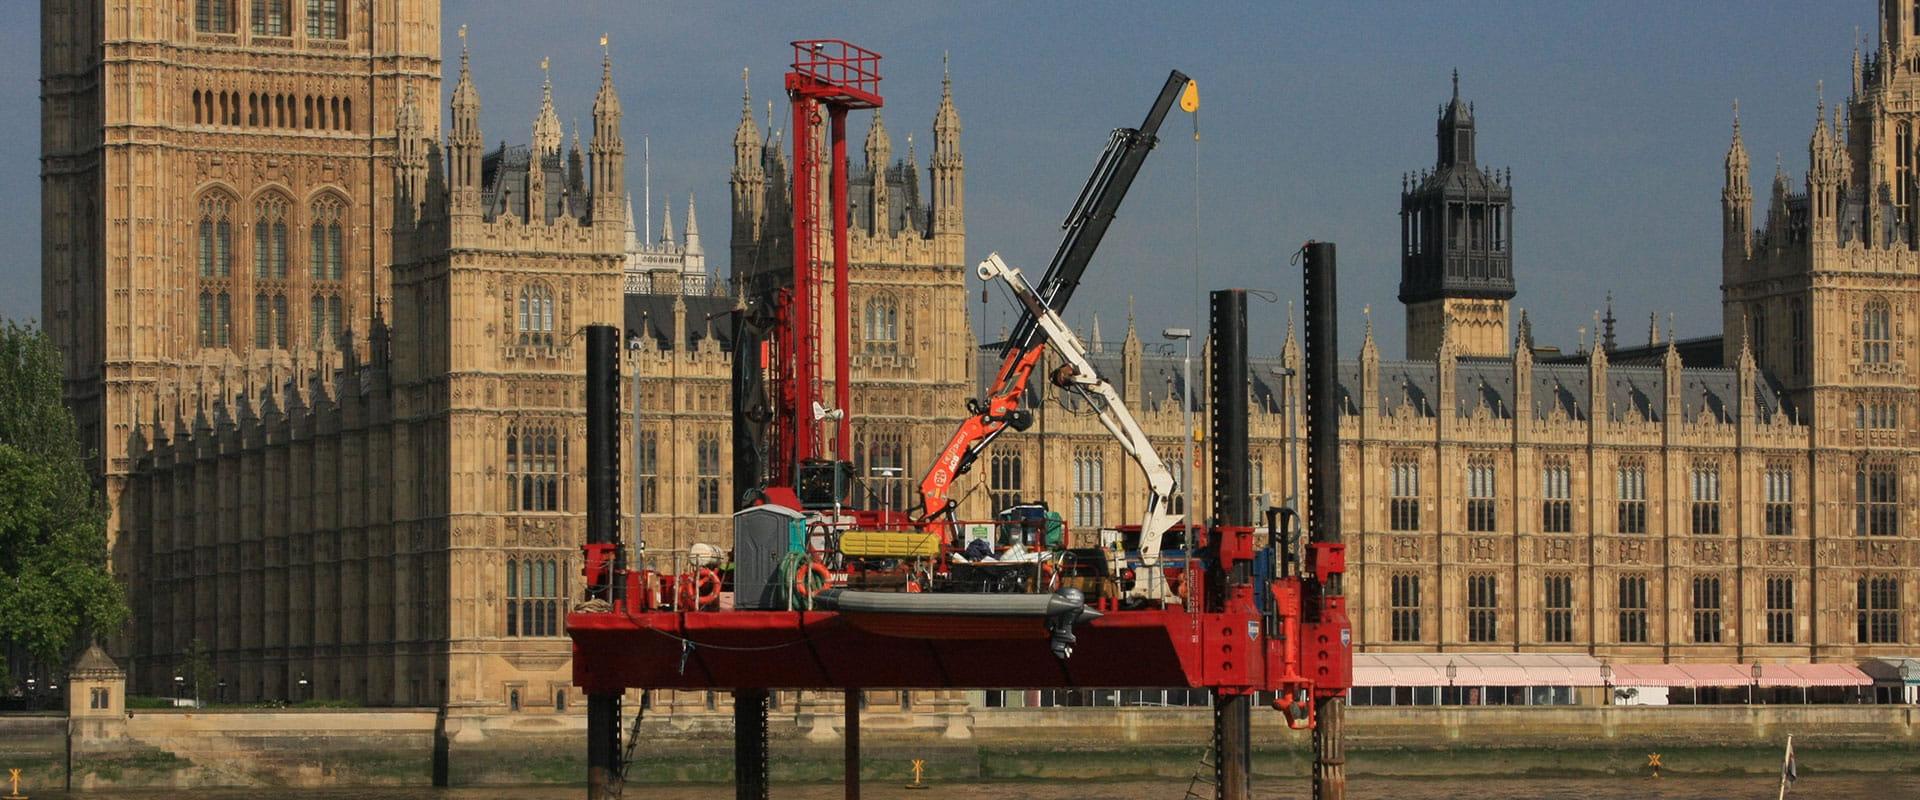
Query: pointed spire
<point>949,168</point>
<point>693,229</point>
<point>1523,342</point>
<point>463,143</point>
<point>609,153</point>
<point>666,225</point>
<point>546,127</point>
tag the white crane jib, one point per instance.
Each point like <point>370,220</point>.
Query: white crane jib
<point>1149,581</point>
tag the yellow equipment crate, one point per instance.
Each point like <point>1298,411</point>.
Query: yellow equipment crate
<point>890,544</point>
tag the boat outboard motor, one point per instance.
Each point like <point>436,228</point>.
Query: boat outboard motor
<point>1063,609</point>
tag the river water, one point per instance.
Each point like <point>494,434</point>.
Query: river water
<point>1739,787</point>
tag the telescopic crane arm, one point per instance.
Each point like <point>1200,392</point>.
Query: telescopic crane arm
<point>1079,373</point>
<point>1092,213</point>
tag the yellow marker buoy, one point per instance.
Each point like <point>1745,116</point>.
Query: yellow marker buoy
<point>918,765</point>
<point>15,793</point>
<point>1653,761</point>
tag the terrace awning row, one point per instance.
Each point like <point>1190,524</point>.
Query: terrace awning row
<point>1574,669</point>
<point>1687,675</point>
<point>1475,669</point>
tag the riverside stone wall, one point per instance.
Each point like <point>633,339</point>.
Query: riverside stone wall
<point>197,748</point>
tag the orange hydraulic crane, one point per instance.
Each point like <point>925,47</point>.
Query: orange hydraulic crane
<point>1092,213</point>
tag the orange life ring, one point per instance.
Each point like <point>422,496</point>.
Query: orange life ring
<point>701,590</point>
<point>811,578</point>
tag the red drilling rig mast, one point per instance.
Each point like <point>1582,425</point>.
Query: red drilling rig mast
<point>840,77</point>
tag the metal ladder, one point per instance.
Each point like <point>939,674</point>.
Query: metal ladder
<point>1206,776</point>
<point>633,734</point>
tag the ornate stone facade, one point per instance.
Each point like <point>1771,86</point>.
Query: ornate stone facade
<point>383,501</point>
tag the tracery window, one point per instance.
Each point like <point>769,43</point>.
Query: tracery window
<point>1482,607</point>
<point>1480,494</point>
<point>323,318</point>
<point>1404,609</point>
<point>269,321</point>
<point>647,472</point>
<point>536,315</point>
<point>880,461</point>
<point>213,16</point>
<point>1876,333</point>
<point>324,20</point>
<point>1876,501</point>
<point>1558,619</point>
<point>270,238</point>
<point>1779,508</point>
<point>1003,481</point>
<point>534,591</point>
<point>882,328</point>
<point>216,318</point>
<point>707,450</point>
<point>1780,620</point>
<point>1630,496</point>
<point>1878,608</point>
<point>1403,506</point>
<point>270,18</point>
<point>1556,493</point>
<point>324,245</point>
<point>1797,330</point>
<point>1706,498</point>
<point>1089,489</point>
<point>536,468</point>
<point>1706,609</point>
<point>1632,602</point>
<point>216,236</point>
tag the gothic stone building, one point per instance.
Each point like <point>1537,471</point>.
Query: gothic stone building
<point>326,355</point>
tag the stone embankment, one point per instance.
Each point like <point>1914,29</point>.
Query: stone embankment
<point>206,748</point>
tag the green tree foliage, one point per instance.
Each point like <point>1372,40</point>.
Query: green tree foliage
<point>54,585</point>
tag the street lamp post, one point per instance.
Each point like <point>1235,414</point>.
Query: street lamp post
<point>887,486</point>
<point>1452,673</point>
<point>179,685</point>
<point>1185,336</point>
<point>1285,374</point>
<point>223,690</point>
<point>306,689</point>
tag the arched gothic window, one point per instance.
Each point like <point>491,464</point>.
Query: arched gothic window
<point>270,238</point>
<point>1003,481</point>
<point>536,468</point>
<point>880,461</point>
<point>1089,489</point>
<point>270,18</point>
<point>534,590</point>
<point>324,20</point>
<point>213,16</point>
<point>1876,333</point>
<point>323,321</point>
<point>882,329</point>
<point>707,451</point>
<point>324,245</point>
<point>270,321</point>
<point>536,315</point>
<point>216,235</point>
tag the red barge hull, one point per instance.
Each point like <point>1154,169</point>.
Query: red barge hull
<point>829,650</point>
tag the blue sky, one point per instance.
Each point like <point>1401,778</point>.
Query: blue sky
<point>1614,118</point>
